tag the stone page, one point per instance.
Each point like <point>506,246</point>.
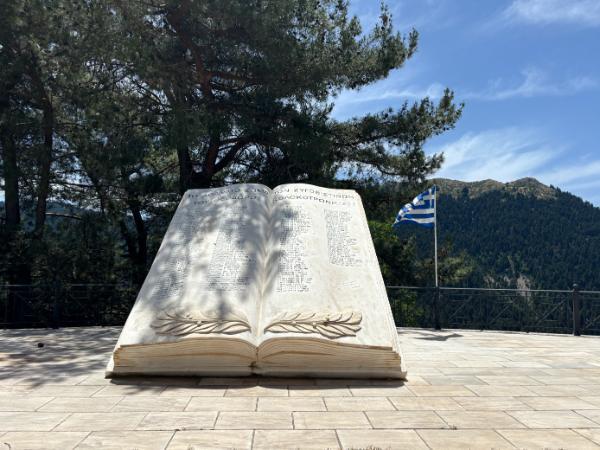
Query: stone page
<point>323,278</point>
<point>209,267</point>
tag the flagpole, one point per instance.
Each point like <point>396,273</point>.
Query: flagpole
<point>436,299</point>
<point>435,233</point>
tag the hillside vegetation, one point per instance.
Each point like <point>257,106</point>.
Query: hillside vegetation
<point>522,234</point>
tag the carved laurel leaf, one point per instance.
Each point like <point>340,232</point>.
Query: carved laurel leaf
<point>182,324</point>
<point>331,325</point>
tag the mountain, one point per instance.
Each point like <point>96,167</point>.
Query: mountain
<point>522,233</point>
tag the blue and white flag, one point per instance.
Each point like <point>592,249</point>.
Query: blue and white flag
<point>420,211</point>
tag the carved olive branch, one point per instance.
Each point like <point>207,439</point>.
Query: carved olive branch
<point>175,324</point>
<point>331,325</point>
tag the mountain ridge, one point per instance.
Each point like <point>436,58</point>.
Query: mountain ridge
<point>524,186</point>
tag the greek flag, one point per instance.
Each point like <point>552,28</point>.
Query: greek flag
<point>420,211</point>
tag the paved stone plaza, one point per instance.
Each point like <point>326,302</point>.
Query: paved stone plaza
<point>465,389</point>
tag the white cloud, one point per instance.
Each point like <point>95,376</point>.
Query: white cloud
<point>399,87</point>
<point>503,155</point>
<point>580,12</point>
<point>535,83</point>
<point>508,154</point>
<point>434,91</point>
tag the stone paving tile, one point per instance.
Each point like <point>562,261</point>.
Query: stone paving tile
<point>49,379</point>
<point>425,403</point>
<point>593,399</point>
<point>547,439</point>
<point>479,419</point>
<point>22,404</point>
<point>120,390</point>
<point>556,403</point>
<point>562,381</point>
<point>525,364</point>
<point>147,440</point>
<point>415,380</point>
<point>30,421</point>
<point>381,439</point>
<point>358,404</point>
<point>330,420</point>
<point>162,381</point>
<point>572,372</point>
<point>222,404</point>
<point>196,391</point>
<point>491,403</point>
<point>593,434</point>
<point>405,419</point>
<point>138,403</point>
<point>370,391</point>
<point>456,380</point>
<point>313,391</point>
<point>290,404</point>
<point>470,379</point>
<point>509,380</point>
<point>558,391</point>
<point>501,391</point>
<point>81,404</point>
<point>64,391</point>
<point>441,391</point>
<point>464,439</point>
<point>14,390</point>
<point>178,421</point>
<point>257,391</point>
<point>229,381</point>
<point>27,440</point>
<point>474,364</point>
<point>255,420</point>
<point>96,379</point>
<point>211,439</point>
<point>590,414</point>
<point>593,389</point>
<point>100,421</point>
<point>553,419</point>
<point>295,439</point>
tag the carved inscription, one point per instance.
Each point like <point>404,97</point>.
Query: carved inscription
<point>293,226</point>
<point>231,259</point>
<point>176,266</point>
<point>342,248</point>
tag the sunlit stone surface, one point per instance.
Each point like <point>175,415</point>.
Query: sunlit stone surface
<point>465,389</point>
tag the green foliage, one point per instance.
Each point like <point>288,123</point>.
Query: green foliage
<point>111,109</point>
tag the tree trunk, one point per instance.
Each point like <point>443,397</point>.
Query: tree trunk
<point>45,163</point>
<point>186,171</point>
<point>11,181</point>
<point>45,159</point>
<point>141,256</point>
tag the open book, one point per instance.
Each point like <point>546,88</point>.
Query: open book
<point>249,280</point>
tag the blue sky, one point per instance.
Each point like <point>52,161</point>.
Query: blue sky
<point>528,72</point>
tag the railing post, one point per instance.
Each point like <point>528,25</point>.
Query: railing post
<point>576,310</point>
<point>56,313</point>
<point>436,309</point>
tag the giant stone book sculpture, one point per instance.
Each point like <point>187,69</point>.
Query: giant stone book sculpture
<point>249,280</point>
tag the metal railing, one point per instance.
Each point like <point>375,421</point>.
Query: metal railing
<point>552,311</point>
<point>61,305</point>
